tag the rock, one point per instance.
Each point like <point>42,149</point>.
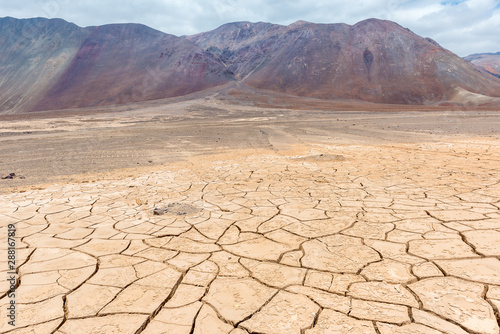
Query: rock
<point>11,176</point>
<point>178,209</point>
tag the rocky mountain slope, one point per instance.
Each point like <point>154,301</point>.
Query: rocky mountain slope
<point>52,64</point>
<point>34,54</point>
<point>374,60</point>
<point>490,62</point>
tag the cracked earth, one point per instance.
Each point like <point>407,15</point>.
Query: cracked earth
<point>400,238</point>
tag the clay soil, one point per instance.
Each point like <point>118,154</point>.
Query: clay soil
<point>297,217</point>
<point>44,147</point>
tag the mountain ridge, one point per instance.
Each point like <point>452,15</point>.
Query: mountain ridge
<point>366,61</point>
<point>490,62</point>
<point>102,65</point>
<point>50,64</point>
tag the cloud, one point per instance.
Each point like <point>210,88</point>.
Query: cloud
<point>463,26</point>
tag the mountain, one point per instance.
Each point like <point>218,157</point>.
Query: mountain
<point>373,60</point>
<point>34,54</point>
<point>489,62</point>
<point>52,64</point>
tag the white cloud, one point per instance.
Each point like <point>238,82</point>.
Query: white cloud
<point>463,26</point>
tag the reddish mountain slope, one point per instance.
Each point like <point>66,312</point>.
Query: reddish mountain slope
<point>374,60</point>
<point>61,66</point>
<point>117,64</point>
<point>489,62</point>
<point>52,64</point>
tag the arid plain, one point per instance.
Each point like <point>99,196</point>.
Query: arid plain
<point>276,217</point>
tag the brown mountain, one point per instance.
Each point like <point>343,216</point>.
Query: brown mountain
<point>53,64</point>
<point>374,60</point>
<point>489,62</point>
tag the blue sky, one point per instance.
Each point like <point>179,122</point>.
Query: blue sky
<point>463,26</point>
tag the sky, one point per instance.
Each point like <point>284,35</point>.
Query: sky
<point>462,26</point>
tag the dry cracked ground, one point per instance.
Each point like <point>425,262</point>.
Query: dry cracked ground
<point>352,238</point>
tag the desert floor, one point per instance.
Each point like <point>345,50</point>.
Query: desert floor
<point>272,221</point>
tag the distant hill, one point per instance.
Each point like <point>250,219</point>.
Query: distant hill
<point>490,62</point>
<point>52,64</point>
